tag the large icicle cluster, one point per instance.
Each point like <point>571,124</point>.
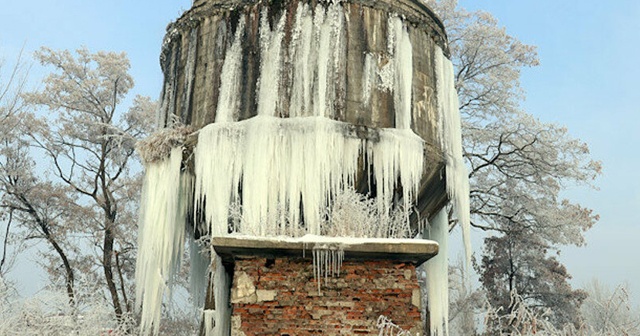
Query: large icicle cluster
<point>281,163</point>
<point>266,167</point>
<point>161,235</point>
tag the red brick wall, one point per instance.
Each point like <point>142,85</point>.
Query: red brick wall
<point>280,297</point>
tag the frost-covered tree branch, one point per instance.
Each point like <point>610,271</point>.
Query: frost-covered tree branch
<point>518,165</point>
<point>610,312</point>
<point>39,207</point>
<point>13,79</point>
<point>85,209</point>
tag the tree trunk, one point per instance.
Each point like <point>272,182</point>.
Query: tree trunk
<point>67,268</point>
<point>6,242</point>
<point>122,285</point>
<point>108,268</point>
<point>44,226</point>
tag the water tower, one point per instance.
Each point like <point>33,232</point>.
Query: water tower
<point>305,142</point>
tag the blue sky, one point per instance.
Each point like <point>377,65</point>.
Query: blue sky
<point>136,27</point>
<point>587,81</point>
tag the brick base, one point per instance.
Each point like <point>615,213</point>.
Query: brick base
<point>280,297</point>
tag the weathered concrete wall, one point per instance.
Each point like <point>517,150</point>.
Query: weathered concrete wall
<point>203,34</point>
<point>280,297</point>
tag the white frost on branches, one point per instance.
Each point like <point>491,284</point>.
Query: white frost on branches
<point>352,214</point>
<point>386,327</point>
<point>49,313</point>
<point>158,146</point>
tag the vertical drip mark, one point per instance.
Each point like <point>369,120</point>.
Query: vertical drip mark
<point>169,92</point>
<point>270,64</point>
<point>228,107</point>
<point>189,76</point>
<point>403,62</point>
<point>302,60</point>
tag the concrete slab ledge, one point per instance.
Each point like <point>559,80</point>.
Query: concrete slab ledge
<point>414,251</point>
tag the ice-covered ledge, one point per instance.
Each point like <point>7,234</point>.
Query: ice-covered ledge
<point>404,250</point>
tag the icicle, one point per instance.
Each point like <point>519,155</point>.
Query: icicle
<point>451,142</point>
<point>403,61</point>
<point>315,51</point>
<point>327,262</point>
<point>160,237</point>
<point>437,269</point>
<point>161,114</point>
<point>368,78</point>
<point>302,60</point>
<point>168,102</point>
<point>260,176</point>
<point>270,64</point>
<point>220,318</point>
<point>208,316</point>
<point>230,79</point>
<point>199,268</point>
<point>323,36</point>
<point>328,25</point>
<point>395,156</point>
<point>217,171</point>
<point>392,72</point>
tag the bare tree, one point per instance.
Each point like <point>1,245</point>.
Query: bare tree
<point>518,164</point>
<point>520,263</point>
<point>87,202</point>
<point>12,83</point>
<point>465,302</point>
<point>41,208</point>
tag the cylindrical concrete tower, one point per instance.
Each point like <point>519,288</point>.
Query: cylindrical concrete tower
<point>318,125</point>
